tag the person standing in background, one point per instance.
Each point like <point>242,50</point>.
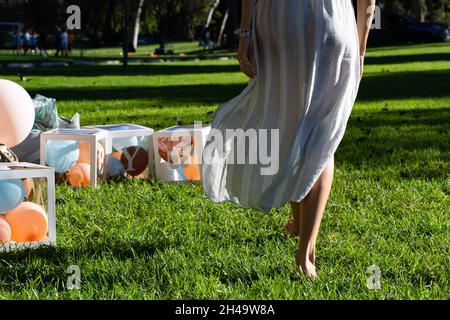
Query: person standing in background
<point>43,43</point>
<point>71,42</point>
<point>26,41</point>
<point>33,42</point>
<point>65,43</point>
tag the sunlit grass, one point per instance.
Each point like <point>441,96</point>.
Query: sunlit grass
<point>153,240</point>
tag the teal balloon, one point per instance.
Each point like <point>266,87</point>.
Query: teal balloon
<point>12,194</point>
<point>116,168</point>
<point>144,142</point>
<point>122,143</point>
<point>61,154</point>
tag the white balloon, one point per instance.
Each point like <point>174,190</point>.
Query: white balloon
<point>16,113</point>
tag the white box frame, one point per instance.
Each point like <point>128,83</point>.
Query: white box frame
<point>33,171</point>
<point>140,131</point>
<point>201,134</point>
<point>77,135</point>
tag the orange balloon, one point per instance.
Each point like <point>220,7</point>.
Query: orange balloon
<point>29,222</point>
<point>80,175</point>
<point>117,155</point>
<point>192,170</point>
<point>85,155</point>
<point>5,231</point>
<point>28,185</point>
<point>85,152</point>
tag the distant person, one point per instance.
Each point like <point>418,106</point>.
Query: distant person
<point>206,39</point>
<point>33,42</point>
<point>64,39</point>
<point>26,41</point>
<point>58,42</point>
<point>71,42</point>
<point>17,45</point>
<point>43,43</point>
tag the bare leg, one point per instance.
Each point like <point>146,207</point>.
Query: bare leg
<point>292,228</point>
<point>311,213</point>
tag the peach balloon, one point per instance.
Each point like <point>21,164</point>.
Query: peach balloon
<point>117,155</point>
<point>17,113</point>
<point>80,175</point>
<point>29,222</point>
<point>192,170</point>
<point>85,152</point>
<point>85,155</point>
<point>5,231</point>
<point>28,185</point>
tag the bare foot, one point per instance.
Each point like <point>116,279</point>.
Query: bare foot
<point>306,266</point>
<point>312,256</point>
<point>290,229</point>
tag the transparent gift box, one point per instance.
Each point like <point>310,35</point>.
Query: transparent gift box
<point>77,155</point>
<point>178,152</point>
<point>27,206</point>
<point>128,150</point>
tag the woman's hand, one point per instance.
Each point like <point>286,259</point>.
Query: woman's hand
<point>245,57</point>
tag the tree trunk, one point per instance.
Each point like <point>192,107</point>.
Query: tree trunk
<point>222,28</point>
<point>419,9</point>
<point>137,24</point>
<point>214,5</point>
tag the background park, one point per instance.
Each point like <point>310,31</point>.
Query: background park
<point>153,240</point>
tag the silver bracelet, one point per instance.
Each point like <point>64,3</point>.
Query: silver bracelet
<point>243,33</point>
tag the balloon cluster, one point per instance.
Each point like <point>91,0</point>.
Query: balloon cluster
<point>74,159</point>
<point>20,219</point>
<point>178,153</point>
<point>128,157</point>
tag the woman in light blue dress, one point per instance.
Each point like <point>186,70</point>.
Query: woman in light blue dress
<point>305,60</point>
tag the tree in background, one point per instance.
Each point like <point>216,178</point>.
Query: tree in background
<point>137,22</point>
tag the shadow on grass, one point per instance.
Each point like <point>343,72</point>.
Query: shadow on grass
<point>380,86</point>
<point>58,259</point>
<point>431,57</point>
<point>414,141</point>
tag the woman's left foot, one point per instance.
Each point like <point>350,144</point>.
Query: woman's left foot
<point>290,229</point>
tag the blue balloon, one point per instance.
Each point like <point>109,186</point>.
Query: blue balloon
<point>116,168</point>
<point>122,143</point>
<point>61,154</point>
<point>12,194</point>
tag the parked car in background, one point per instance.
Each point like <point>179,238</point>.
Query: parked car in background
<point>405,28</point>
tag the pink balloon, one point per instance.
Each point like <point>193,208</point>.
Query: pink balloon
<point>5,231</point>
<point>16,113</point>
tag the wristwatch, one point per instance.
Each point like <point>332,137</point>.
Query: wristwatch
<point>243,33</point>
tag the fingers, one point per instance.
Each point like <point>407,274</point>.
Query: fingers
<point>244,53</point>
<point>247,68</point>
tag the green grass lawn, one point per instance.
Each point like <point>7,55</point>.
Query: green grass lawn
<point>190,49</point>
<point>153,240</point>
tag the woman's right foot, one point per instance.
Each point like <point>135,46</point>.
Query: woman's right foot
<point>306,266</point>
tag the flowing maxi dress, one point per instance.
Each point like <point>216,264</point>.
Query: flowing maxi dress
<point>308,76</point>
